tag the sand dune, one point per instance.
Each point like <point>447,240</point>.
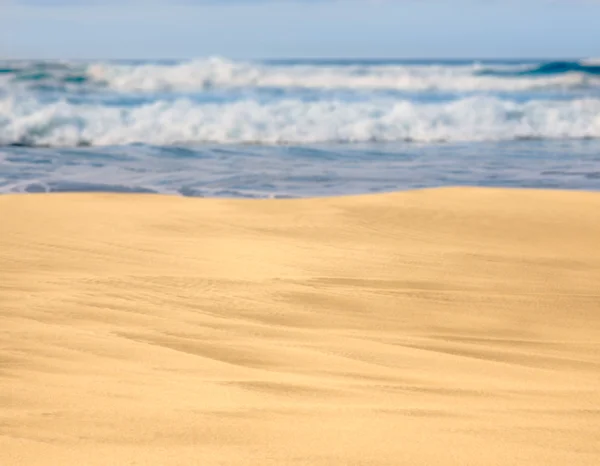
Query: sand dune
<point>438,327</point>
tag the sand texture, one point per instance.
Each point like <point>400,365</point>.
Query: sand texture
<point>439,327</point>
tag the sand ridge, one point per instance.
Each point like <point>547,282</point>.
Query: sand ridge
<point>448,326</point>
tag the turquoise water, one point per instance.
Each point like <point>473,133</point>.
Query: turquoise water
<point>216,127</point>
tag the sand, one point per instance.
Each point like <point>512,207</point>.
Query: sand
<point>436,327</point>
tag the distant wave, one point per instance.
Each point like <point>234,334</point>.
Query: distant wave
<point>49,73</point>
<point>213,73</point>
<point>217,72</point>
<point>27,121</point>
<point>589,67</point>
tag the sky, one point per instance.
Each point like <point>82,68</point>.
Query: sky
<point>247,29</point>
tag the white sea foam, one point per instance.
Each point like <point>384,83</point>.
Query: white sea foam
<point>218,72</point>
<point>591,62</point>
<point>26,120</point>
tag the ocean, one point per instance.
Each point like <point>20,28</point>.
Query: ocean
<point>222,128</point>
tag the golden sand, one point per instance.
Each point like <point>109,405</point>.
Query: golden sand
<point>438,327</point>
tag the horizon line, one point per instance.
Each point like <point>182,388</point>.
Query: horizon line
<point>310,59</point>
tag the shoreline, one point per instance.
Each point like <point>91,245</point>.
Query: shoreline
<point>309,198</point>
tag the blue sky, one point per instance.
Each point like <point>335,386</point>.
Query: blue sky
<point>289,29</point>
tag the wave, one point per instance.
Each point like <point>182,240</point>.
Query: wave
<point>39,75</point>
<point>554,68</point>
<point>206,74</point>
<point>27,121</point>
<point>218,72</point>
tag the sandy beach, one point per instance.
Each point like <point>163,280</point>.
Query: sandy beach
<point>456,326</point>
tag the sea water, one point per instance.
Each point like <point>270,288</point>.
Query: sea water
<point>284,128</point>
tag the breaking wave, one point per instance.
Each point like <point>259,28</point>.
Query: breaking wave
<point>27,121</point>
<point>217,72</point>
<point>222,73</point>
